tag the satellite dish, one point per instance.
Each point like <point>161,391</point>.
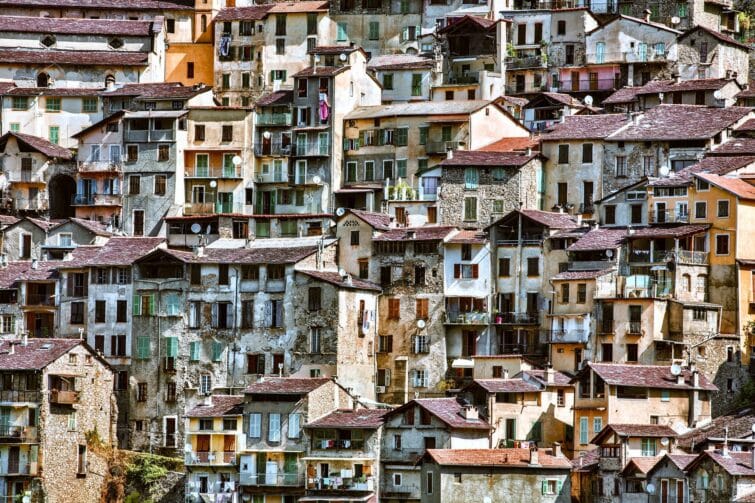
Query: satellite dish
<point>343,57</point>
<point>196,228</point>
<point>650,489</point>
<point>421,323</point>
<point>316,180</point>
<point>213,184</point>
<point>676,369</point>
<point>664,441</point>
<point>675,20</point>
<point>317,58</point>
<point>341,212</point>
<point>664,171</point>
<point>236,160</point>
<point>267,135</point>
<point>588,100</point>
<point>718,94</point>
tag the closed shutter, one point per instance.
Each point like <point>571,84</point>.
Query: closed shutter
<point>137,306</point>
<point>268,313</point>
<point>215,315</point>
<point>194,351</point>
<point>279,313</point>
<point>274,427</point>
<point>230,315</point>
<point>475,270</point>
<point>142,346</point>
<point>217,351</point>
<point>293,425</point>
<point>171,347</point>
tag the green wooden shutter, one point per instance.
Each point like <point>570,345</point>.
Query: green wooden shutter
<point>151,305</point>
<point>171,346</point>
<point>137,306</point>
<point>194,351</point>
<point>142,347</point>
<point>217,351</point>
<point>544,487</point>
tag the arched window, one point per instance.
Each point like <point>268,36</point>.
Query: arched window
<point>43,80</point>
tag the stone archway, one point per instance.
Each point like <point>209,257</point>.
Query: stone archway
<point>61,190</point>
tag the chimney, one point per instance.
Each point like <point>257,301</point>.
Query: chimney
<point>12,347</point>
<point>557,450</point>
<point>725,449</point>
<point>752,457</point>
<point>34,263</point>
<point>469,412</point>
<point>355,403</point>
<point>549,374</point>
<point>529,151</point>
<point>505,373</point>
<point>534,456</point>
<point>680,379</point>
<point>449,154</point>
<point>411,234</point>
<point>648,13</point>
<point>25,340</point>
<point>199,251</point>
<point>692,366</point>
<point>636,118</point>
<point>677,78</point>
<point>579,220</point>
<point>207,401</point>
<point>695,379</point>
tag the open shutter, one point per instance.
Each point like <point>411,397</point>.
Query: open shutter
<point>171,346</point>
<point>217,351</point>
<point>544,487</point>
<point>457,270</point>
<point>475,270</point>
<point>215,315</point>
<point>136,306</point>
<point>69,284</point>
<point>151,305</point>
<point>194,351</point>
<point>279,313</point>
<point>230,315</point>
<point>268,313</point>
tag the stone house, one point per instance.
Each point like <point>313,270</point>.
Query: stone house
<point>668,475</point>
<point>214,438</point>
<point>343,454</point>
<point>35,173</point>
<point>624,51</point>
<point>516,475</point>
<point>478,187</point>
<point>721,475</point>
<point>358,228</point>
<point>418,425</point>
<point>56,398</point>
<point>406,77</point>
<point>411,346</point>
<point>685,15</point>
<point>70,53</point>
<point>533,407</point>
<point>33,238</point>
<point>710,92</point>
<point>545,109</point>
<point>608,393</point>
<point>390,152</point>
<point>259,48</point>
<point>707,54</point>
<point>33,308</point>
<point>276,409</point>
<point>733,427</point>
<point>527,247</point>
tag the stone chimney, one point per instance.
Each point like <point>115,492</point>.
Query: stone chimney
<point>549,375</point>
<point>34,263</point>
<point>469,412</point>
<point>199,251</point>
<point>680,379</point>
<point>25,339</point>
<point>557,450</point>
<point>534,456</point>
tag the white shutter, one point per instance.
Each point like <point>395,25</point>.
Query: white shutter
<point>215,314</point>
<point>274,427</point>
<point>268,313</point>
<point>279,313</point>
<point>293,425</point>
<point>229,315</point>
<point>255,424</point>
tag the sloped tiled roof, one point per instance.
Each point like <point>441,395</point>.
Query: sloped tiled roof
<point>584,127</point>
<point>447,410</point>
<point>515,385</point>
<point>508,458</point>
<point>679,122</point>
<point>715,34</point>
<point>420,234</point>
<point>79,58</point>
<point>334,278</point>
<point>299,6</point>
<point>92,226</point>
<point>681,460</point>
<point>551,219</point>
<point>103,4</point>
<point>15,272</point>
<point>399,62</point>
<point>122,251</point>
<point>623,95</point>
<point>253,13</point>
<point>369,419</point>
<point>157,91</point>
<point>285,385</point>
<point>634,430</point>
<point>576,275</point>
<point>641,464</point>
<point>55,91</point>
<point>220,405</point>
<point>275,98</point>
<point>737,424</point>
<point>736,186</point>
<point>487,159</point>
<point>734,463</point>
<point>512,145</point>
<point>559,378</point>
<point>603,238</point>
<point>648,376</point>
<point>380,221</point>
<point>669,86</point>
<point>36,354</point>
<point>75,26</point>
<point>41,145</point>
<point>285,255</point>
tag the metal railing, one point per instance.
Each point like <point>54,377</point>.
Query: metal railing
<point>40,299</point>
<point>211,458</point>
<point>590,265</point>
<point>273,119</point>
<point>310,149</point>
<point>96,200</point>
<point>668,216</point>
<point>516,318</point>
<point>634,327</point>
<point>389,489</point>
<point>649,56</point>
<point>589,85</point>
<point>12,395</point>
<point>19,469</point>
<point>470,318</point>
<point>272,149</point>
<point>211,208</point>
<point>525,88</point>
<point>337,484</point>
<point>292,479</point>
<point>17,433</point>
<point>214,172</point>
<point>95,166</point>
<point>441,147</point>
<point>691,257</point>
<point>38,203</point>
<point>515,63</point>
<point>567,335</point>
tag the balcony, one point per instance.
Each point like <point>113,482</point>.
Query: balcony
<point>38,203</point>
<point>211,458</point>
<point>649,257</point>
<point>113,167</point>
<point>271,177</point>
<point>96,200</point>
<point>590,265</point>
<point>143,135</point>
<point>272,479</point>
<point>407,193</point>
<point>668,217</point>
<point>402,491</point>
<point>527,240</point>
<point>634,328</point>
<point>230,172</point>
<point>517,318</point>
<point>19,396</point>
<point>525,88</point>
<point>576,336</point>
<point>40,299</point>
<point>691,257</point>
<point>28,177</point>
<point>471,318</point>
<point>311,149</point>
<point>649,55</point>
<point>64,397</point>
<point>18,469</point>
<point>272,149</point>
<point>588,85</point>
<point>17,434</point>
<point>340,484</point>
<point>215,209</point>
<point>273,119</point>
<point>515,63</point>
<point>441,147</point>
<point>465,78</point>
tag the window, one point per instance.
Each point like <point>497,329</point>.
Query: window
<point>565,293</point>
<point>587,153</point>
<point>20,103</point>
<point>294,425</point>
<point>77,313</point>
<point>581,293</point>
<point>52,104</point>
<point>561,28</point>
<point>141,392</point>
<point>421,306</point>
<point>621,166</point>
<point>255,363</point>
<point>385,344</point>
<point>533,266</point>
<point>504,267</point>
<point>374,30</point>
<point>54,134</point>
<point>161,182</point>
<point>274,427</point>
<point>393,309</point>
<point>205,384</point>
<point>648,447</point>
<point>701,209</point>
<point>99,311</point>
<point>190,70</point>
<point>163,153</point>
<point>89,105</point>
<point>563,154</point>
<point>134,185</point>
<point>255,425</point>
<point>723,209</point>
<point>388,81</point>
<point>314,298</point>
<point>429,482</point>
<point>722,244</point>
<point>470,209</point>
<point>471,178</point>
<point>597,424</point>
<point>341,32</point>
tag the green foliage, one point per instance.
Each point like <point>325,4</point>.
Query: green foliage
<point>745,396</point>
<point>145,469</point>
<point>135,497</point>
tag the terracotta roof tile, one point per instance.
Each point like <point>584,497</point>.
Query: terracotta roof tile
<point>221,405</point>
<point>92,226</point>
<point>157,91</point>
<point>75,26</point>
<point>285,386</point>
<point>320,71</point>
<point>55,91</point>
<point>335,279</point>
<point>679,122</point>
<point>253,13</point>
<point>399,62</point>
<point>103,4</point>
<point>504,458</point>
<point>578,127</point>
<point>299,6</point>
<point>649,376</point>
<point>735,463</point>
<point>515,385</point>
<point>79,58</point>
<point>552,219</point>
<point>681,460</point>
<point>334,49</point>
<point>559,378</point>
<point>670,231</point>
<point>468,236</point>
<point>427,233</point>
<point>275,98</point>
<point>717,35</point>
<point>286,255</point>
<point>368,419</point>
<point>515,100</point>
<point>36,355</point>
<point>642,464</point>
<point>487,159</point>
<point>512,145</point>
<point>668,86</point>
<point>476,21</point>
<point>379,221</point>
<point>123,251</point>
<point>641,430</point>
<point>623,95</point>
<point>447,410</point>
<point>736,186</point>
<point>41,145</point>
<point>16,272</point>
<point>586,460</point>
<point>603,238</point>
<point>736,424</point>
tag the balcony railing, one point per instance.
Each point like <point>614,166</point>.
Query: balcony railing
<point>668,216</point>
<point>99,166</point>
<point>648,56</point>
<point>40,299</point>
<point>691,257</point>
<point>214,172</point>
<point>340,484</point>
<point>64,397</point>
<point>407,193</point>
<point>38,203</point>
<point>471,318</point>
<point>606,327</point>
<point>388,489</point>
<point>214,208</point>
<point>634,328</point>
<point>525,88</point>
<point>96,200</point>
<point>513,63</point>
<point>142,135</point>
<point>273,119</point>
<point>311,149</point>
<point>264,479</point>
<point>567,335</point>
<point>211,458</point>
<point>28,176</point>
<point>516,318</point>
<point>271,177</point>
<point>12,434</point>
<point>590,265</point>
<point>588,85</point>
<point>648,257</point>
<point>18,469</point>
<point>465,78</point>
<point>441,147</point>
<point>272,149</point>
<point>12,395</point>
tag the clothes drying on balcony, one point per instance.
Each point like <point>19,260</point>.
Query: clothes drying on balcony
<point>324,107</point>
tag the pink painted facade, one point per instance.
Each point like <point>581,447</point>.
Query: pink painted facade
<point>589,78</point>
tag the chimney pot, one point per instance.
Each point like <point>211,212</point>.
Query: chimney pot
<point>695,379</point>
<point>534,456</point>
<point>680,379</point>
<point>557,450</point>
